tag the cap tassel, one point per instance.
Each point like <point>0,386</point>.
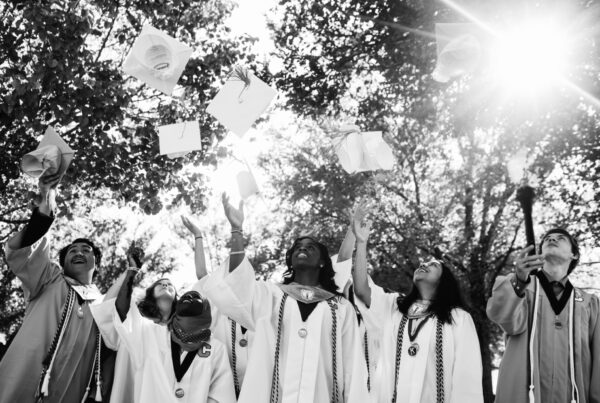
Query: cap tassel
<point>98,396</point>
<point>531,394</point>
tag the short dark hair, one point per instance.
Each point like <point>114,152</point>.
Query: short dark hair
<point>147,305</point>
<point>326,274</point>
<point>574,245</point>
<point>62,254</point>
<point>447,296</point>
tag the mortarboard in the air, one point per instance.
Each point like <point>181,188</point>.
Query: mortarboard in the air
<point>366,151</point>
<point>246,184</point>
<point>459,50</point>
<point>157,59</point>
<point>178,139</point>
<point>53,155</point>
<point>241,101</point>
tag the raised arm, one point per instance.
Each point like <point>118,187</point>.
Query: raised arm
<point>41,218</point>
<point>348,243</point>
<point>199,258</point>
<point>236,219</point>
<point>124,295</point>
<point>361,229</point>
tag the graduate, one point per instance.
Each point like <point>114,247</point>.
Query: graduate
<point>174,356</point>
<point>57,354</point>
<point>429,346</point>
<point>306,343</point>
<point>552,329</point>
<point>237,339</point>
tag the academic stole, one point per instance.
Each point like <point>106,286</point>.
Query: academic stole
<point>48,362</point>
<point>275,378</point>
<point>439,358</point>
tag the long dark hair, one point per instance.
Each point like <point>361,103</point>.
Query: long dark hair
<point>147,305</point>
<point>326,273</point>
<point>447,297</point>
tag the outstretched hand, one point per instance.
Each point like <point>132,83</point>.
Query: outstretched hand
<point>48,182</point>
<point>525,264</point>
<point>360,227</point>
<point>234,216</point>
<point>135,255</point>
<point>191,225</point>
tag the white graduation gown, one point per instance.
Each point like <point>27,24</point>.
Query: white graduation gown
<point>208,379</point>
<point>305,363</point>
<point>417,375</point>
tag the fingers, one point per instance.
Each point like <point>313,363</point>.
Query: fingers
<point>241,206</point>
<point>525,252</point>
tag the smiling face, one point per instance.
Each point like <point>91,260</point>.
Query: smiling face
<point>190,304</point>
<point>429,272</point>
<point>306,254</point>
<point>79,260</point>
<point>164,289</point>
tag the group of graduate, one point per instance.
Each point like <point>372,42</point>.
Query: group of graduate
<point>306,339</point>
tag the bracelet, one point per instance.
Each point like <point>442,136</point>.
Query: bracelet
<point>238,230</point>
<point>198,237</point>
<point>239,252</point>
<point>135,269</point>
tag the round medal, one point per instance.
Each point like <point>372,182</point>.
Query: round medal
<point>413,349</point>
<point>179,393</point>
<point>243,342</point>
<point>80,312</point>
<point>302,332</point>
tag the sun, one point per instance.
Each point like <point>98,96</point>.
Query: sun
<point>530,58</point>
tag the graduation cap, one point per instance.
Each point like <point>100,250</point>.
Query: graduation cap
<point>157,59</point>
<point>246,184</point>
<point>459,50</point>
<point>178,139</point>
<point>53,155</point>
<point>241,101</point>
<point>362,151</point>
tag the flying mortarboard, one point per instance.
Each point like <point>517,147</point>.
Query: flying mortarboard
<point>178,139</point>
<point>157,59</point>
<point>53,155</point>
<point>241,101</point>
<point>459,50</point>
<point>359,152</point>
<point>246,184</point>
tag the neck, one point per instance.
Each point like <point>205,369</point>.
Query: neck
<point>83,278</point>
<point>307,277</point>
<point>556,267</point>
<point>427,292</point>
<point>164,306</point>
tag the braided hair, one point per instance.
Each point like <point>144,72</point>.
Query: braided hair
<point>326,273</point>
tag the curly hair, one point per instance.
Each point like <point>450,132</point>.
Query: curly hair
<point>447,297</point>
<point>326,273</point>
<point>147,305</point>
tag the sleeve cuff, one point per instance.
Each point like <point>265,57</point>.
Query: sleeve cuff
<point>519,285</point>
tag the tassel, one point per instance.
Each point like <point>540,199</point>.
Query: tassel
<point>98,396</point>
<point>45,384</point>
<point>531,394</point>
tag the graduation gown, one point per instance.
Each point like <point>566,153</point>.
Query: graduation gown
<point>305,362</point>
<point>46,290</point>
<point>417,374</point>
<point>221,328</point>
<point>208,379</point>
<point>551,350</point>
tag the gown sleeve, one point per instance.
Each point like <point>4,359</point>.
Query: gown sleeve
<point>221,381</point>
<point>32,265</point>
<point>467,372</point>
<point>240,296</point>
<point>507,309</point>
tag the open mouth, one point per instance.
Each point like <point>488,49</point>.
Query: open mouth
<point>79,259</point>
<point>422,270</point>
<point>302,255</point>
